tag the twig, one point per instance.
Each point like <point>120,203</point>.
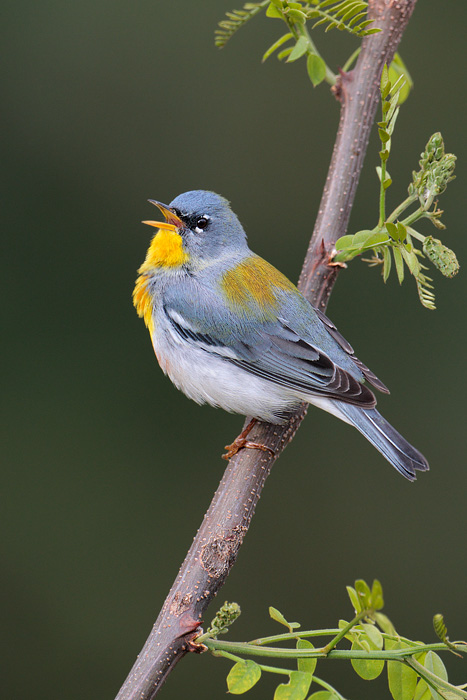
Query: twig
<point>244,649</point>
<point>215,547</point>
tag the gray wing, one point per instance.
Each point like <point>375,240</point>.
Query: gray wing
<point>276,352</point>
<point>367,373</point>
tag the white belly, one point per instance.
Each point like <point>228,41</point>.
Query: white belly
<point>205,378</point>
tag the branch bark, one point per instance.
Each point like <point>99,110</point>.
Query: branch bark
<point>215,547</point>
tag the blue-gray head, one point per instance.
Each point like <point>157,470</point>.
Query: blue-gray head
<point>206,223</point>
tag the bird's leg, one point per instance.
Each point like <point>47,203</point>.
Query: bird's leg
<point>241,441</point>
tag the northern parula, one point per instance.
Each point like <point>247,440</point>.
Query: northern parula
<point>230,330</point>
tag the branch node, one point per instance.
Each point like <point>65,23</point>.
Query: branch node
<point>192,646</point>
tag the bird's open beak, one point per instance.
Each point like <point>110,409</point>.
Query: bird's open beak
<point>172,222</point>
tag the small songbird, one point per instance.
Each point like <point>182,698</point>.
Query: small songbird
<point>232,331</point>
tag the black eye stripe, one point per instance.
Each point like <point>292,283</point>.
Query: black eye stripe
<point>193,221</point>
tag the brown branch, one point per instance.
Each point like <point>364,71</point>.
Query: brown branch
<point>215,547</point>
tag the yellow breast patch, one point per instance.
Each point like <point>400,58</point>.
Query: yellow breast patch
<point>142,301</point>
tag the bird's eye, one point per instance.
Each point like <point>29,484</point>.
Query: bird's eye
<point>201,223</point>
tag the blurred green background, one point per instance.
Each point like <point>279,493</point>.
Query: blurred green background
<point>108,469</point>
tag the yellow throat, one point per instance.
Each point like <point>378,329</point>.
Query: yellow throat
<point>165,250</point>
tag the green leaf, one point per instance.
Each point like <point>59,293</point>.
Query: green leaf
<point>243,676</point>
<point>316,68</point>
<point>402,231</point>
<point>352,593</point>
<point>376,239</point>
<point>399,263</point>
<point>276,45</point>
<point>361,241</point>
<point>377,595</point>
<point>411,261</point>
<point>298,50</point>
<point>297,687</point>
<point>384,135</point>
<point>342,243</point>
<point>396,69</point>
<point>276,615</point>
<point>368,669</point>
<point>393,113</point>
<point>306,665</point>
<point>392,230</point>
<point>402,679</point>
<point>385,623</point>
<point>373,633</point>
<point>386,265</point>
<point>385,82</point>
<point>283,54</point>
<point>323,695</point>
<point>361,586</point>
<point>395,87</point>
<point>387,178</point>
<point>273,11</point>
<point>422,691</point>
<point>360,238</point>
<point>434,664</point>
<point>297,16</point>
<point>398,232</point>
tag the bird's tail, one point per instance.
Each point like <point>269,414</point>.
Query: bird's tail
<point>405,458</point>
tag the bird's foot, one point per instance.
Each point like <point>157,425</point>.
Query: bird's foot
<point>241,442</point>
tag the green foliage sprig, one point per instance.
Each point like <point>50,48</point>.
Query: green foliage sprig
<point>348,15</point>
<point>414,670</point>
<point>393,239</point>
<point>236,19</point>
<point>345,15</point>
